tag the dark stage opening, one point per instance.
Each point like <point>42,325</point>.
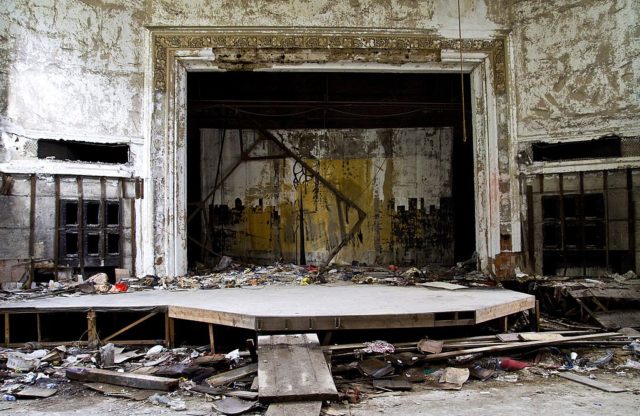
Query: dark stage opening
<point>308,167</point>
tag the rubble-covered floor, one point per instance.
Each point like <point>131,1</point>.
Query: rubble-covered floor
<point>551,396</point>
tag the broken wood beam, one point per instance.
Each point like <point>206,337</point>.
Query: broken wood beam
<point>139,381</point>
<point>232,375</point>
<point>517,345</point>
<point>591,383</point>
<point>131,325</point>
<point>292,368</point>
<point>92,329</point>
<point>212,343</point>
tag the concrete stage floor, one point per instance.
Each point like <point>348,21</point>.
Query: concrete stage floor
<point>303,308</point>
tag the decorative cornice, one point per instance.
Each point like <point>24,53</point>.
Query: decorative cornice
<point>164,42</point>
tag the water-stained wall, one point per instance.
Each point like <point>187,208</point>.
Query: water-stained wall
<point>78,70</point>
<point>577,68</point>
<point>400,178</point>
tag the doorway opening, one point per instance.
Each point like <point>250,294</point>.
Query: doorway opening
<point>320,167</point>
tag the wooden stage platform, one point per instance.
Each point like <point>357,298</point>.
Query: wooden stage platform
<point>300,308</point>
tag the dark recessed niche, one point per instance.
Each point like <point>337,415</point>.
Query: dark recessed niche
<point>113,213</point>
<point>113,243</point>
<point>93,244</point>
<point>71,244</point>
<point>83,151</point>
<point>609,146</point>
<point>93,213</point>
<point>71,213</point>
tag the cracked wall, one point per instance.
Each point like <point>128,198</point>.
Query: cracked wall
<point>577,68</point>
<point>76,70</point>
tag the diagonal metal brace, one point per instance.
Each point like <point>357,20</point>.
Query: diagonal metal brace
<point>339,195</point>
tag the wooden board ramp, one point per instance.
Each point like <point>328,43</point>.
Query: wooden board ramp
<point>292,368</point>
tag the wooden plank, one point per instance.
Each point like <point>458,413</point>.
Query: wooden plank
<point>324,323</point>
<point>630,332</point>
<point>293,368</point>
<point>131,325</point>
<point>605,293</point>
<point>294,409</point>
<point>505,309</point>
<point>140,381</point>
<point>212,317</point>
<point>116,391</point>
<point>396,385</point>
<point>539,336</point>
<point>169,330</point>
<point>92,330</point>
<point>516,345</point>
<point>618,319</point>
<point>7,330</point>
<point>217,391</point>
<point>36,392</point>
<point>232,375</point>
<point>442,285</point>
<point>508,337</point>
<point>591,383</point>
<point>212,343</point>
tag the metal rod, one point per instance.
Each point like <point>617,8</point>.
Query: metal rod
<point>56,239</point>
<point>605,188</point>
<point>631,219</point>
<point>562,221</point>
<point>80,224</point>
<point>134,253</point>
<point>102,249</point>
<point>121,186</point>
<point>583,239</point>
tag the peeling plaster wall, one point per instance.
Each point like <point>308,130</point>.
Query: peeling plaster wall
<point>437,15</point>
<point>577,67</point>
<point>72,69</point>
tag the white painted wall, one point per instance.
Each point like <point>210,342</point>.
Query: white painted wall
<point>76,69</point>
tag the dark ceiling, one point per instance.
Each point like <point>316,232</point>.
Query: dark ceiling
<point>295,100</point>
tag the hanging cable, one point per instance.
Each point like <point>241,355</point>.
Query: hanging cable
<point>464,122</point>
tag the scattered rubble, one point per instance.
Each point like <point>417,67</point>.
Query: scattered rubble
<point>228,274</point>
<point>166,377</point>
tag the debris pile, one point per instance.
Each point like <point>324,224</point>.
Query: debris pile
<point>610,302</point>
<point>361,371</point>
<point>234,382</point>
<point>230,274</point>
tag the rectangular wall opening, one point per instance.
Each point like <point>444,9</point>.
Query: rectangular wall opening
<point>372,164</point>
<point>92,240</point>
<point>83,151</point>
<point>584,223</point>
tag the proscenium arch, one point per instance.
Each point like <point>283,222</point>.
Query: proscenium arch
<point>175,52</point>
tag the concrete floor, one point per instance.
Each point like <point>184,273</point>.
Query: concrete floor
<point>537,396</point>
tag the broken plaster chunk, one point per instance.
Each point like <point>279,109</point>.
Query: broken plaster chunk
<point>21,362</point>
<point>454,376</point>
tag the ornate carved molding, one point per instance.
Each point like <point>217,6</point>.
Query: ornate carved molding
<point>165,42</point>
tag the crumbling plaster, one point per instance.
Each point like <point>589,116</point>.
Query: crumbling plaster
<point>438,15</point>
<point>72,67</point>
<point>577,68</point>
<point>77,69</point>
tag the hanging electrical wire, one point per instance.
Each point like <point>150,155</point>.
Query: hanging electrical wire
<point>324,110</point>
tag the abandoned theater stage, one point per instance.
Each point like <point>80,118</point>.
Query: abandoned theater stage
<point>278,308</point>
